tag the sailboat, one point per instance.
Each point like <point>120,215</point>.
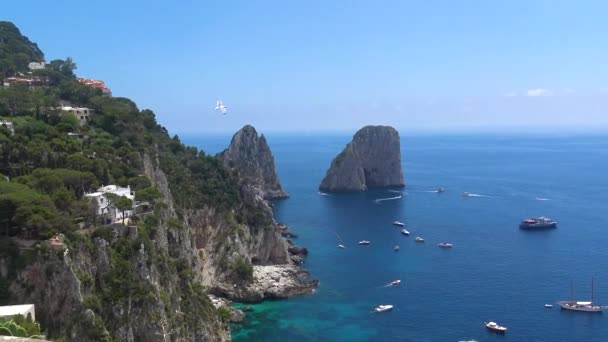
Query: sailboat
<point>581,306</point>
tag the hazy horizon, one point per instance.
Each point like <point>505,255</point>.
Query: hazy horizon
<point>439,66</point>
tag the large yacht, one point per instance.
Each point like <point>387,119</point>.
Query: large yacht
<point>538,223</point>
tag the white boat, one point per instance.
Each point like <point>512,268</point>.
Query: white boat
<point>400,224</point>
<point>419,239</point>
<point>342,246</point>
<point>405,232</point>
<point>445,245</point>
<point>548,306</point>
<point>395,282</point>
<point>364,242</point>
<point>383,308</point>
<point>496,327</point>
<point>396,248</point>
<point>466,194</point>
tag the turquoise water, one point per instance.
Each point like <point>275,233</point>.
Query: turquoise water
<point>494,272</point>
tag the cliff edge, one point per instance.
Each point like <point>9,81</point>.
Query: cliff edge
<point>371,159</point>
<point>250,155</point>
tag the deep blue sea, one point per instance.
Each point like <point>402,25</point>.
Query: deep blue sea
<point>494,272</point>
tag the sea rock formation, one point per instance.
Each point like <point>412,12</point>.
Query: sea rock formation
<point>251,156</point>
<point>371,159</point>
<point>271,282</point>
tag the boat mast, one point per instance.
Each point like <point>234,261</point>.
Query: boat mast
<point>571,291</point>
<point>591,290</point>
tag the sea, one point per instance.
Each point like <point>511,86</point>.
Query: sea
<point>494,272</point>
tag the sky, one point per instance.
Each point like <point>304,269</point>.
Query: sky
<point>338,65</point>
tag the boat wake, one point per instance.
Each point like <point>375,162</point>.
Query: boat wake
<point>477,195</point>
<point>379,200</point>
<point>324,193</point>
<point>542,199</point>
<point>395,191</point>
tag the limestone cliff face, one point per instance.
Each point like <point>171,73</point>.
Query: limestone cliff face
<point>251,156</point>
<point>146,283</point>
<point>371,159</point>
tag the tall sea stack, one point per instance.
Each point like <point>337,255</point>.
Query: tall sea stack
<point>371,159</point>
<point>251,156</point>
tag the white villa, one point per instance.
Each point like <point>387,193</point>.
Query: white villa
<point>83,114</point>
<point>26,310</point>
<point>8,125</point>
<point>105,207</point>
<point>36,66</point>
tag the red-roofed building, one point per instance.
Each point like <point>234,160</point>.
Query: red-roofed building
<point>28,80</point>
<point>97,84</point>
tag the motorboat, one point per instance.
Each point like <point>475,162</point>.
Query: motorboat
<point>445,245</point>
<point>364,242</point>
<point>342,246</point>
<point>496,327</point>
<point>383,308</point>
<point>466,194</point>
<point>440,190</point>
<point>400,224</point>
<point>396,282</point>
<point>548,306</point>
<point>396,248</point>
<point>419,239</point>
<point>405,232</point>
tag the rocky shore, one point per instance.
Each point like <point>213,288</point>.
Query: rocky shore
<point>271,282</point>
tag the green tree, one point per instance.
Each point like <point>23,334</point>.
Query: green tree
<point>121,203</point>
<point>17,99</point>
<point>147,195</point>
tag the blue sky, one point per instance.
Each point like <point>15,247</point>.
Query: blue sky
<point>338,65</point>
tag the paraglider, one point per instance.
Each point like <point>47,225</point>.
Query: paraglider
<point>220,106</point>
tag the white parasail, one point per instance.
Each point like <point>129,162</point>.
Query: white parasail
<point>220,106</point>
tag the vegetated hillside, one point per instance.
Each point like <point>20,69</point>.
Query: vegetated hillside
<point>16,50</point>
<point>143,281</point>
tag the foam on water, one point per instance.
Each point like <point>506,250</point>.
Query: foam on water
<point>388,199</point>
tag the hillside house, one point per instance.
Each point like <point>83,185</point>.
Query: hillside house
<point>105,209</point>
<point>83,114</point>
<point>30,81</point>
<point>8,125</point>
<point>97,84</point>
<point>36,66</point>
<point>25,310</point>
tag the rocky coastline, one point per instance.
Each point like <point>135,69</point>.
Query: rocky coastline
<point>272,277</point>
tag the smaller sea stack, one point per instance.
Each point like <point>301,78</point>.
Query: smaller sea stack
<point>251,156</point>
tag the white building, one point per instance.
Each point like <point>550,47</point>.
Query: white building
<point>36,65</point>
<point>13,310</point>
<point>8,125</point>
<point>104,205</point>
<point>83,114</point>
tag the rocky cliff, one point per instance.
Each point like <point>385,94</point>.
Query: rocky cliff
<point>250,155</point>
<point>151,282</point>
<point>371,159</point>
